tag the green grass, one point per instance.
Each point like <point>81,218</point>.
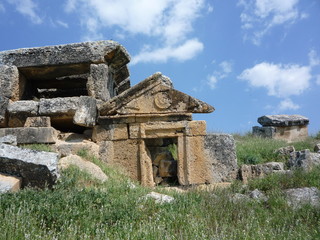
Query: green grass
<point>38,147</point>
<point>255,150</point>
<point>80,207</point>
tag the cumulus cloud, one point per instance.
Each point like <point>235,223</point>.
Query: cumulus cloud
<point>27,8</point>
<point>287,104</point>
<point>182,52</point>
<point>260,16</point>
<point>280,80</point>
<point>224,69</point>
<point>167,22</point>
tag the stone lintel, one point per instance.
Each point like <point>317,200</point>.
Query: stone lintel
<point>31,134</point>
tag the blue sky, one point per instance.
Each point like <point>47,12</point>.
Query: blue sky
<point>245,58</point>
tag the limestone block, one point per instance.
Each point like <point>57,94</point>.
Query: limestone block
<point>123,154</point>
<point>36,169</point>
<point>9,82</point>
<point>248,172</point>
<point>304,159</point>
<point>298,197</point>
<point>9,139</point>
<point>221,153</point>
<point>3,111</point>
<point>59,107</point>
<point>19,111</point>
<point>283,120</point>
<point>110,132</point>
<point>86,113</point>
<point>193,166</point>
<point>267,132</point>
<point>9,183</point>
<point>291,133</point>
<point>196,128</point>
<point>76,53</point>
<point>66,148</point>
<point>38,122</point>
<point>134,131</point>
<point>31,134</point>
<point>85,166</point>
<point>99,85</point>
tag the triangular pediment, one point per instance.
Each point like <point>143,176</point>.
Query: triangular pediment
<point>154,95</point>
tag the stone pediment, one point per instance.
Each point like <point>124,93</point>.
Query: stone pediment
<point>154,95</point>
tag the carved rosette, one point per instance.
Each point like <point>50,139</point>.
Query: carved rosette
<point>162,100</point>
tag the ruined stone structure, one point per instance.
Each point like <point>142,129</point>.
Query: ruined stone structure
<point>283,127</point>
<point>147,130</point>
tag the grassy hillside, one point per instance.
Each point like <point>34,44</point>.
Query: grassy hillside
<point>80,207</point>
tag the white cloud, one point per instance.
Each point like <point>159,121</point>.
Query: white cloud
<point>184,52</point>
<point>27,8</point>
<point>314,60</point>
<point>225,68</point>
<point>279,80</point>
<point>167,22</point>
<point>62,24</point>
<point>260,16</point>
<point>287,104</point>
<point>212,81</point>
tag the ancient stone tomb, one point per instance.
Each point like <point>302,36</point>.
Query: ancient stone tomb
<point>147,130</point>
<point>283,127</point>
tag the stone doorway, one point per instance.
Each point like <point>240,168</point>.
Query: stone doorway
<point>164,156</point>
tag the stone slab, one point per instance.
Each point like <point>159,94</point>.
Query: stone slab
<point>19,111</point>
<point>283,120</point>
<point>64,107</point>
<point>36,169</point>
<point>76,53</point>
<point>31,134</point>
<point>220,151</point>
<point>110,132</point>
<point>9,139</point>
<point>86,113</point>
<point>38,122</point>
<point>4,102</point>
<point>9,82</point>
<point>9,183</point>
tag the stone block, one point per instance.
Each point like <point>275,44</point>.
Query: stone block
<point>110,132</point>
<point>31,134</point>
<point>19,111</point>
<point>9,183</point>
<point>38,122</point>
<point>220,151</point>
<point>248,172</point>
<point>4,102</point>
<point>9,139</point>
<point>99,85</point>
<point>304,159</point>
<point>283,120</point>
<point>196,128</point>
<point>267,132</point>
<point>85,166</point>
<point>36,169</point>
<point>68,54</point>
<point>86,113</point>
<point>9,82</point>
<point>317,148</point>
<point>298,197</point>
<point>59,107</point>
<point>66,148</point>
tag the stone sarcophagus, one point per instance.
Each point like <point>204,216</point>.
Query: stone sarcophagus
<point>283,127</point>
